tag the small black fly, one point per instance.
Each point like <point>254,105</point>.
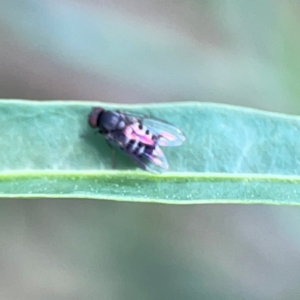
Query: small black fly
<point>139,136</point>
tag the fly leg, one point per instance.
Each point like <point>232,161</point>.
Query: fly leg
<point>113,154</point>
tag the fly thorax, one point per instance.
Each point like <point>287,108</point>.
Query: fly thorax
<point>109,120</point>
<point>121,124</point>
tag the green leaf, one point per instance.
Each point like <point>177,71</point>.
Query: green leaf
<point>231,155</point>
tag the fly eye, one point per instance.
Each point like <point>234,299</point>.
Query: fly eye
<point>93,120</point>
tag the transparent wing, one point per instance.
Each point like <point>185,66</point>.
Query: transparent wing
<point>156,161</point>
<point>168,134</point>
<point>130,117</point>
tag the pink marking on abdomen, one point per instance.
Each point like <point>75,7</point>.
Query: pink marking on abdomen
<point>134,133</point>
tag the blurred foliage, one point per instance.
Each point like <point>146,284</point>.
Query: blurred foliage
<point>232,51</point>
<point>222,51</point>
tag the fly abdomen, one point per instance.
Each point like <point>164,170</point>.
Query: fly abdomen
<point>132,146</point>
<point>140,150</point>
<point>135,147</point>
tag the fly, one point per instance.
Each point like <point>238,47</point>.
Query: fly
<point>139,136</point>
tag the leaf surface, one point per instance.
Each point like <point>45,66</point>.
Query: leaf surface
<point>231,155</point>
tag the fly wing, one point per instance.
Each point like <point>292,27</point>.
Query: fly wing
<point>168,134</point>
<point>130,117</point>
<point>156,160</point>
<point>150,163</point>
<point>153,163</point>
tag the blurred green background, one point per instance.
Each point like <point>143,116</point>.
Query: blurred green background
<point>232,51</point>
